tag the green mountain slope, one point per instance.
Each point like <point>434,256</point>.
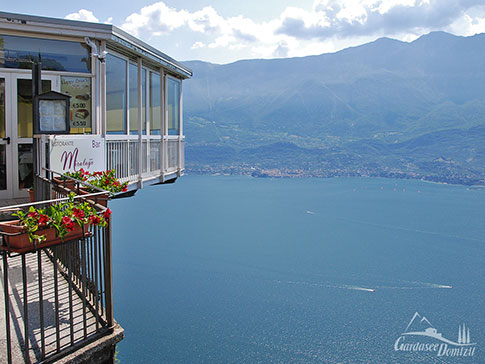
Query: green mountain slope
<point>385,108</point>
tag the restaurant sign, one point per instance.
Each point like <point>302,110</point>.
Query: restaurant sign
<point>69,154</point>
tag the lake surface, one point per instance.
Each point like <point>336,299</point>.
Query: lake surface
<point>243,270</point>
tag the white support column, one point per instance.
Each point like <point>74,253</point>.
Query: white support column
<point>147,119</point>
<point>163,126</point>
<point>140,115</point>
<point>128,125</point>
<point>181,132</point>
<point>101,122</point>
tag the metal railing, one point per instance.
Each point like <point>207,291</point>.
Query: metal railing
<point>122,156</point>
<point>155,160</point>
<point>57,298</point>
<point>160,157</point>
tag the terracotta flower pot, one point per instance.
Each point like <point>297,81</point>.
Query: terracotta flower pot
<point>20,243</point>
<point>31,195</point>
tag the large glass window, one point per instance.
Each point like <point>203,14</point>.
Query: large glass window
<point>115,95</point>
<point>118,73</point>
<point>3,147</point>
<point>143,100</point>
<point>173,106</point>
<point>80,104</point>
<point>56,55</point>
<point>155,111</point>
<point>133,97</point>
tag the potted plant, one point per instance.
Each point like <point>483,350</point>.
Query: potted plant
<point>105,181</point>
<point>68,183</point>
<point>39,228</point>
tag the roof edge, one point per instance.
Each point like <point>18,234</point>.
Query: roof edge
<point>110,29</point>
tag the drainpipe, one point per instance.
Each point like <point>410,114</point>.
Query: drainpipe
<point>94,50</point>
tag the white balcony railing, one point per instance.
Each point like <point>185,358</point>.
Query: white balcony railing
<point>159,158</point>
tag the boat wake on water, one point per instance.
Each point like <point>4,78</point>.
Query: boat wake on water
<point>342,286</point>
<point>417,285</point>
<point>355,288</point>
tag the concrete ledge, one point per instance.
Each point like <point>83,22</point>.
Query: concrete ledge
<point>100,351</point>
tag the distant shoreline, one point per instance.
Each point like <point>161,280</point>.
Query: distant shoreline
<point>471,186</point>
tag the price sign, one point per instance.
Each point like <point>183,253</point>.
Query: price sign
<point>80,90</point>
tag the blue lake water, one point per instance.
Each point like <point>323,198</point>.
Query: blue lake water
<point>243,270</point>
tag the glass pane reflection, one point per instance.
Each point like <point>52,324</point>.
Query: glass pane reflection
<point>26,168</point>
<point>24,106</point>
<point>56,55</point>
<point>116,95</point>
<point>3,167</point>
<point>2,107</point>
<point>173,106</point>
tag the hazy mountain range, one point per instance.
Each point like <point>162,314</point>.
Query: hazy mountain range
<point>386,108</point>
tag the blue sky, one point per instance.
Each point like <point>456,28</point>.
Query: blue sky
<point>221,31</point>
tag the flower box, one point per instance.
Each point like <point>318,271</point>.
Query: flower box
<point>17,239</point>
<point>100,199</point>
<point>67,183</point>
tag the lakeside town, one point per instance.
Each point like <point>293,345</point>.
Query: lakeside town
<point>285,172</point>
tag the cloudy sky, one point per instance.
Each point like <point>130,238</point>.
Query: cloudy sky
<point>222,31</point>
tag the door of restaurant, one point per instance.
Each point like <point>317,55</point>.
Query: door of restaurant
<point>16,173</point>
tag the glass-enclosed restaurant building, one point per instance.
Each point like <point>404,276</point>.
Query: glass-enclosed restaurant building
<point>123,92</point>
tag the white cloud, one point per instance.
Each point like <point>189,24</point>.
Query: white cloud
<point>205,21</point>
<point>329,25</point>
<point>157,19</point>
<point>83,15</point>
<point>347,18</point>
<point>198,45</point>
<point>86,15</point>
<point>471,23</point>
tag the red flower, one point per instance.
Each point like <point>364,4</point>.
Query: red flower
<point>33,214</point>
<point>78,213</point>
<point>95,220</point>
<point>68,223</point>
<point>125,188</point>
<point>43,219</point>
<point>107,214</point>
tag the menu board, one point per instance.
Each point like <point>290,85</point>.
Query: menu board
<point>80,90</point>
<point>52,116</point>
